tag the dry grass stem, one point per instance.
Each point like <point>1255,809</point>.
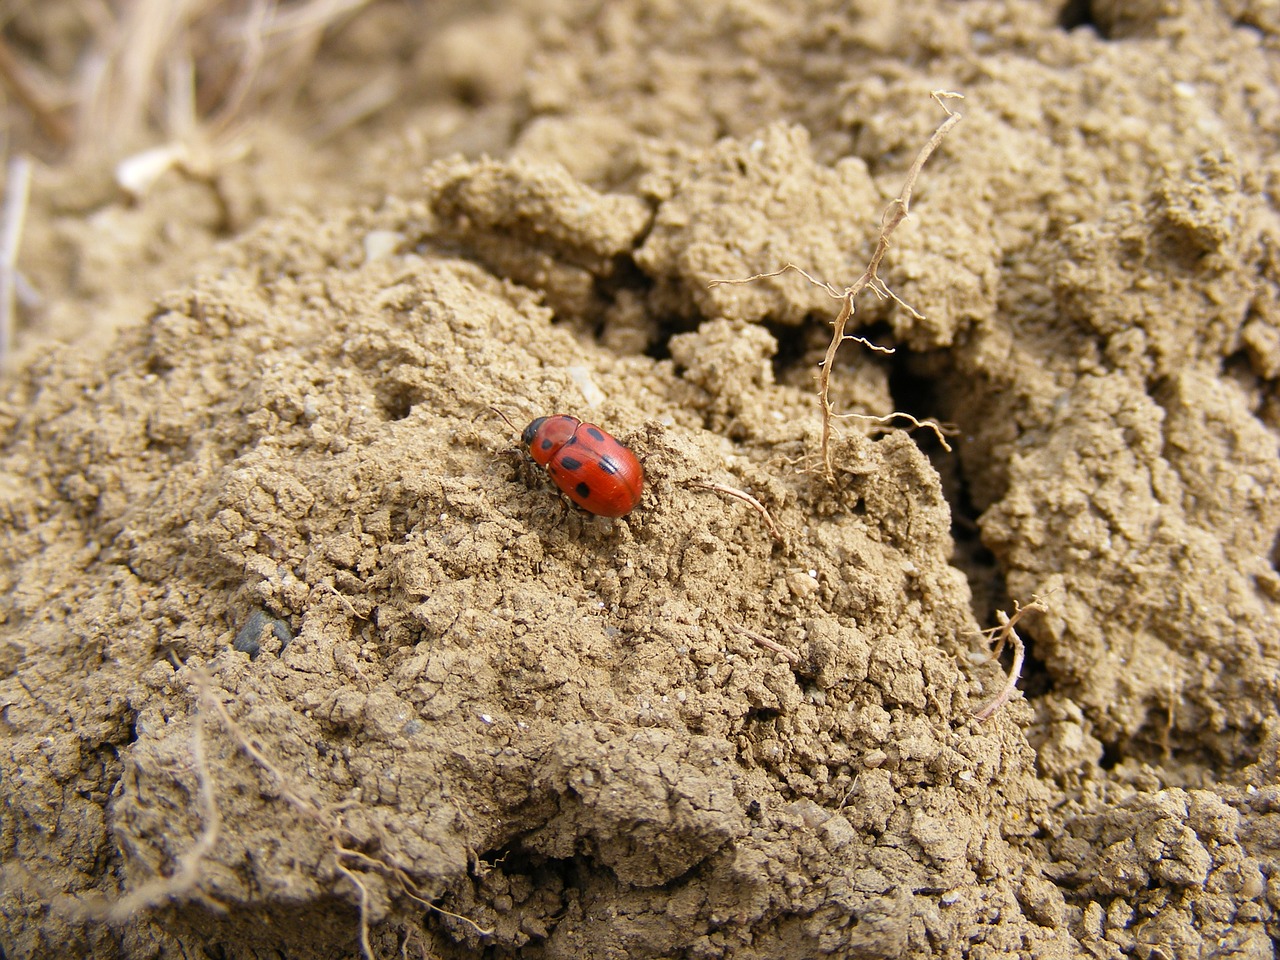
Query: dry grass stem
<point>191,68</point>
<point>278,44</point>
<point>368,100</point>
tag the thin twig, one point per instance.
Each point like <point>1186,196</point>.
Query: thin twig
<point>833,292</point>
<point>897,212</point>
<point>766,642</point>
<point>873,347</point>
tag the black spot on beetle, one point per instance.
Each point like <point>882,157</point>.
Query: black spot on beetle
<point>570,464</point>
<point>609,465</point>
<point>546,444</point>
<point>596,435</point>
<point>582,490</point>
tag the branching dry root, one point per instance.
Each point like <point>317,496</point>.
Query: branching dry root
<point>186,878</point>
<point>897,212</point>
<point>1005,633</point>
<point>940,430</point>
<point>328,817</point>
<point>184,882</point>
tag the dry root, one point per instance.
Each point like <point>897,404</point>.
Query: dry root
<point>746,498</point>
<point>940,430</point>
<point>328,817</point>
<point>870,279</point>
<point>184,882</point>
<point>1001,635</point>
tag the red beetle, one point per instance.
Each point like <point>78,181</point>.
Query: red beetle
<point>593,469</point>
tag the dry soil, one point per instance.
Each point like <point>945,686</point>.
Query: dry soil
<point>302,657</point>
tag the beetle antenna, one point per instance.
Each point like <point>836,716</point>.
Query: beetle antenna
<point>505,418</point>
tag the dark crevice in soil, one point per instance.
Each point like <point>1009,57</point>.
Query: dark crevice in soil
<point>1111,756</point>
<point>1078,13</point>
<point>1037,680</point>
<point>915,393</point>
<point>795,348</point>
<point>397,400</point>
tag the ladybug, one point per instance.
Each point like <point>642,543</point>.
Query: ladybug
<point>593,469</point>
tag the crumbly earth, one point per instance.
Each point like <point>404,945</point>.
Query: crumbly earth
<point>302,657</point>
